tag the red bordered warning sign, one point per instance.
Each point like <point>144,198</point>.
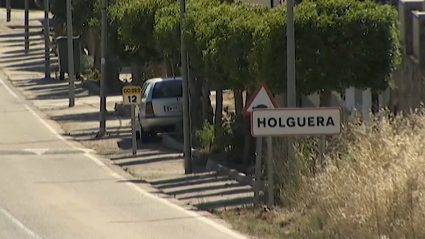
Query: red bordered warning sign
<point>261,98</point>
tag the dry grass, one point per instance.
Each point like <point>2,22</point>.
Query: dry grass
<point>372,187</point>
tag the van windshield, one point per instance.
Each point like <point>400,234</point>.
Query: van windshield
<point>167,89</point>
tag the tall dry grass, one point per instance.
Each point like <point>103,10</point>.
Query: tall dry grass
<point>372,186</point>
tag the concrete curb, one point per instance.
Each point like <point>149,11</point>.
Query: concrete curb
<point>211,165</point>
<point>123,110</point>
<point>171,143</point>
<point>91,86</point>
<point>232,173</point>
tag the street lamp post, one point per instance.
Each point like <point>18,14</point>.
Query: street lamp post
<point>290,85</point>
<point>26,26</point>
<point>46,40</point>
<point>70,41</point>
<point>8,10</point>
<point>185,85</point>
<point>102,94</point>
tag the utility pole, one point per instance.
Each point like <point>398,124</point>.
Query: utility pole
<point>26,25</point>
<point>185,85</point>
<point>46,40</point>
<point>290,85</point>
<point>8,10</point>
<point>70,41</point>
<point>102,93</point>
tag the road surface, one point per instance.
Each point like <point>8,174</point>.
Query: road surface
<point>52,189</point>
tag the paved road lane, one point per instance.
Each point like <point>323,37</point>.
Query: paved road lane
<point>10,228</point>
<point>50,189</point>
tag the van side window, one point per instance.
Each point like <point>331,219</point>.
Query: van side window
<point>145,90</point>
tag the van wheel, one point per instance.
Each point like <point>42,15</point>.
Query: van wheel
<point>61,76</point>
<point>143,136</point>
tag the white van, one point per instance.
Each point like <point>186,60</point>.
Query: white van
<point>161,107</point>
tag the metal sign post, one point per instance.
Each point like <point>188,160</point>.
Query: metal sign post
<point>104,56</point>
<point>46,40</point>
<point>132,96</point>
<point>8,10</point>
<point>26,26</point>
<point>258,157</point>
<point>133,129</point>
<point>322,150</point>
<point>270,172</point>
<point>70,37</point>
<point>261,98</point>
<point>187,149</point>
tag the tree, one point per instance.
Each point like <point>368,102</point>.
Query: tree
<point>339,44</point>
<point>134,21</point>
<point>82,12</point>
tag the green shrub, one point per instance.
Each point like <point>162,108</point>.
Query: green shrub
<point>167,31</point>
<point>134,22</point>
<point>234,135</point>
<point>227,32</point>
<point>205,137</point>
<point>196,21</point>
<point>82,11</point>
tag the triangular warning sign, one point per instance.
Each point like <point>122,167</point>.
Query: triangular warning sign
<point>260,98</point>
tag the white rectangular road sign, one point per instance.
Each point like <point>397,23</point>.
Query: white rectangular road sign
<point>132,95</point>
<point>295,121</point>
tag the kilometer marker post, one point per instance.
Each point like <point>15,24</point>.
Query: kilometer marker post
<point>132,96</point>
<point>133,129</point>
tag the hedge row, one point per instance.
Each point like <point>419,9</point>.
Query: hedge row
<point>339,43</point>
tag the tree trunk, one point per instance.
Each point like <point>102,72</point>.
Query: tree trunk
<point>90,42</point>
<point>168,68</point>
<point>58,27</point>
<point>97,52</point>
<point>207,110</point>
<point>136,73</point>
<point>325,98</point>
<point>113,82</point>
<point>248,149</point>
<point>195,86</point>
<point>238,101</point>
<point>218,124</point>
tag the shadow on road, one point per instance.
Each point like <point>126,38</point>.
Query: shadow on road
<point>24,56</point>
<point>29,57</point>
<point>21,41</point>
<point>206,192</point>
<point>90,116</point>
<point>21,34</point>
<point>23,27</point>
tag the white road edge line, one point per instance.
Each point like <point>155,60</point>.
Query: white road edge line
<point>20,224</point>
<point>196,215</point>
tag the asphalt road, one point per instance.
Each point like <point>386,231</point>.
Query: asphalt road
<point>52,189</point>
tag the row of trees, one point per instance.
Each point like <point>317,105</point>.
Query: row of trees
<point>339,44</point>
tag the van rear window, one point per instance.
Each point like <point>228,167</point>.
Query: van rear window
<point>167,89</point>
